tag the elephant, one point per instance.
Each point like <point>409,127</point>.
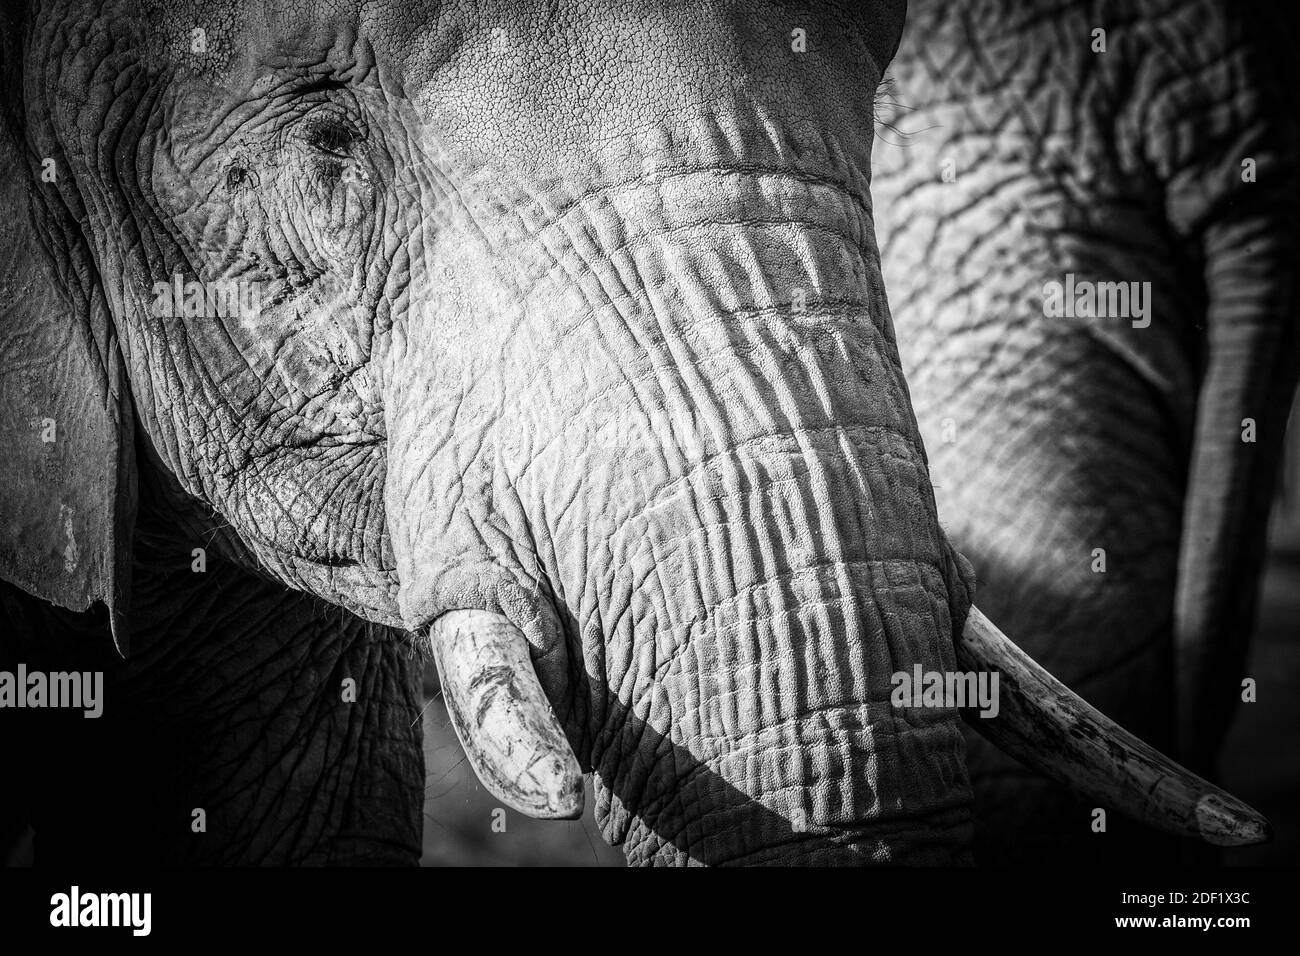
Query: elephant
<point>547,339</point>
<point>1107,470</point>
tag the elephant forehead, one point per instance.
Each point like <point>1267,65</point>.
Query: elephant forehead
<point>535,80</point>
<point>870,28</point>
<point>627,53</point>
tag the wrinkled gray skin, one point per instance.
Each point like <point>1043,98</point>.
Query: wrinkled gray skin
<point>480,233</point>
<point>1050,437</point>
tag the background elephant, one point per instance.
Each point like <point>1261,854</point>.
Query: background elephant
<point>314,321</point>
<point>1145,142</point>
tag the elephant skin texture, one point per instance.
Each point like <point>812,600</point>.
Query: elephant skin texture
<point>350,315</point>
<point>1108,472</point>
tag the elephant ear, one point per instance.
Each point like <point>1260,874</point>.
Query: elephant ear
<point>67,467</point>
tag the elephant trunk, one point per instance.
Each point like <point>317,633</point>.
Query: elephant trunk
<point>670,458</point>
<point>678,454</point>
<point>765,589</point>
<point>762,730</point>
<point>740,635</point>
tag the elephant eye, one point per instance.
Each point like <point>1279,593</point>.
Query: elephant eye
<point>332,138</point>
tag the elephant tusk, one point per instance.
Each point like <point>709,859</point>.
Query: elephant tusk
<point>502,716</point>
<point>1050,728</point>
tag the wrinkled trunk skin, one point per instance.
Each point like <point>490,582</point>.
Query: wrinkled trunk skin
<point>723,505</point>
<point>609,420</point>
<point>1029,156</point>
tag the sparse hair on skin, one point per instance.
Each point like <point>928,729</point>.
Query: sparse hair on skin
<point>886,106</point>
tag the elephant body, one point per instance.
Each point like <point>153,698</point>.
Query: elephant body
<point>1093,466</point>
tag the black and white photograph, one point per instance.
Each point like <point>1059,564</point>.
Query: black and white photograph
<point>582,433</point>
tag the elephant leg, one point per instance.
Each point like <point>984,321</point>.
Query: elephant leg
<point>1249,382</point>
<point>1075,536</point>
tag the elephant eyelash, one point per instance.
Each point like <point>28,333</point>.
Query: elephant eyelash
<point>886,107</point>
<point>334,146</point>
<point>332,138</point>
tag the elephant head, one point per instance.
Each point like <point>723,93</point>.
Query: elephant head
<point>551,335</point>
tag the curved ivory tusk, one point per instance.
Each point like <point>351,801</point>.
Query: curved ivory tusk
<point>1049,727</point>
<point>501,715</point>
